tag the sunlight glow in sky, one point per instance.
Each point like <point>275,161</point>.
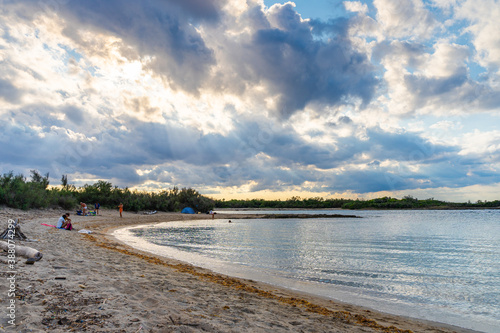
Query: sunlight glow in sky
<point>255,99</point>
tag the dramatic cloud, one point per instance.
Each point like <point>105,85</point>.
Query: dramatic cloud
<point>234,97</point>
<point>299,67</point>
<point>157,30</point>
<point>405,18</point>
<point>9,92</point>
<point>484,24</point>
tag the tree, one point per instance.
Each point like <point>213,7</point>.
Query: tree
<point>64,181</point>
<point>37,179</point>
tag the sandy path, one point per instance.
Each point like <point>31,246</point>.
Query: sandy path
<point>105,286</point>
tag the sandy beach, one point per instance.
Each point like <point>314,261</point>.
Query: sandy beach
<point>91,282</point>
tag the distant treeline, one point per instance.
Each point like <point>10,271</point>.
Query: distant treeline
<point>294,202</point>
<point>408,202</point>
<point>18,192</point>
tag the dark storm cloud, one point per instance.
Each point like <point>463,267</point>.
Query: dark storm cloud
<point>375,178</point>
<point>299,62</point>
<point>188,157</point>
<point>202,9</point>
<point>306,61</point>
<point>288,148</point>
<point>157,29</point>
<point>9,92</point>
<point>455,90</point>
<point>74,114</point>
<point>175,143</point>
<point>365,181</point>
<point>291,149</point>
<point>411,50</point>
<point>404,146</point>
<point>427,87</point>
<point>232,159</point>
<point>24,146</point>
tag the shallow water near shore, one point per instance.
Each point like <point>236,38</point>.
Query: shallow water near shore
<point>436,265</point>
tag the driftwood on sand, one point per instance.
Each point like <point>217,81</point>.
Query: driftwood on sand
<point>14,233</point>
<point>22,251</point>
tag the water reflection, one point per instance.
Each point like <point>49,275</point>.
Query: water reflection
<point>445,260</point>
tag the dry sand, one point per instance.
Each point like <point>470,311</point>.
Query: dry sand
<point>94,283</point>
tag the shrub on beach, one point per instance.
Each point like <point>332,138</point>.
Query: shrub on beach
<point>17,192</point>
<point>63,199</point>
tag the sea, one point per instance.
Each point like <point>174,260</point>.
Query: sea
<point>437,265</point>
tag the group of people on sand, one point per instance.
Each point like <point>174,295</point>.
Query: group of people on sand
<point>64,221</point>
<point>97,206</point>
<point>85,210</point>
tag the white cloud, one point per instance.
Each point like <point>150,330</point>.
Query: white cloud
<point>446,125</point>
<point>446,60</point>
<point>437,80</point>
<point>480,143</point>
<point>444,4</point>
<point>356,7</point>
<point>405,18</point>
<point>483,16</point>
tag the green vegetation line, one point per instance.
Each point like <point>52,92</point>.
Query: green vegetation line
<point>18,192</point>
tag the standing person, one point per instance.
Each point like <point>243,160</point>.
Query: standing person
<point>120,207</point>
<point>83,206</point>
<point>97,206</point>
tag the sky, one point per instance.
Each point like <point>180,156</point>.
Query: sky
<point>255,99</point>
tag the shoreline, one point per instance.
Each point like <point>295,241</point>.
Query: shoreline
<point>359,209</point>
<point>299,289</point>
<point>116,288</point>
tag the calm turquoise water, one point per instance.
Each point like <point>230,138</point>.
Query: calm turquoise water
<point>436,265</point>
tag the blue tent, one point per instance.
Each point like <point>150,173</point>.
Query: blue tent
<point>187,210</point>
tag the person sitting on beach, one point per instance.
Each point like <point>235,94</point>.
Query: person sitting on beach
<point>68,225</point>
<point>64,222</point>
<point>61,222</point>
